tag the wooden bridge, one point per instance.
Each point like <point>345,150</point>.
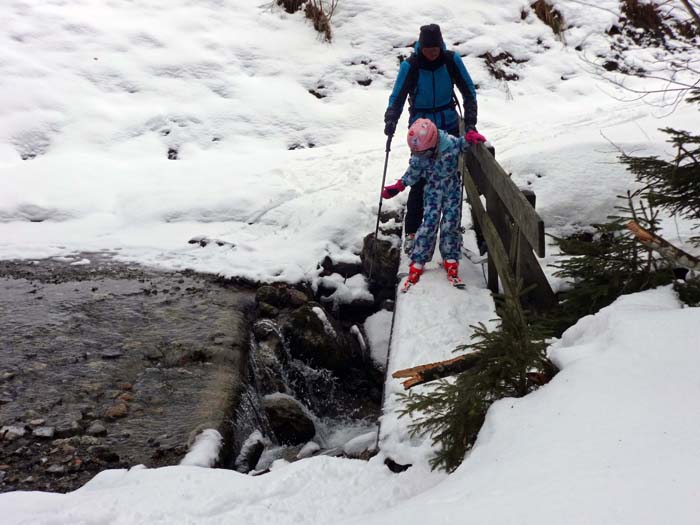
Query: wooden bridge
<point>424,333</point>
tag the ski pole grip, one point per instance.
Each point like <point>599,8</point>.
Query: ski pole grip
<point>388,143</point>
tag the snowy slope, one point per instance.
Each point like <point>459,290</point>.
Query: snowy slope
<point>95,96</point>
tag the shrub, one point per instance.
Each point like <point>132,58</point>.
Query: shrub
<point>550,16</point>
<point>320,12</point>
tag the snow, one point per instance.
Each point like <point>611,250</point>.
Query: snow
<point>360,444</point>
<point>308,450</point>
<point>123,91</point>
<point>327,326</point>
<point>378,328</point>
<point>425,331</point>
<point>204,452</point>
<point>609,440</point>
<point>347,290</point>
<point>95,96</point>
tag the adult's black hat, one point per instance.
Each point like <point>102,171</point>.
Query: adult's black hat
<point>430,36</point>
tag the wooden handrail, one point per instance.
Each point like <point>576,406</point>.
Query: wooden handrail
<point>524,215</point>
<point>511,228</point>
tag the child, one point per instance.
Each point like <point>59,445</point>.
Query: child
<point>434,156</point>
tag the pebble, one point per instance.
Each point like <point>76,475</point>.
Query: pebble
<point>56,469</point>
<point>105,454</point>
<point>44,432</point>
<point>89,440</point>
<point>111,354</point>
<point>68,449</point>
<point>96,429</point>
<point>10,433</point>
<point>67,429</point>
<point>117,411</point>
<point>37,422</point>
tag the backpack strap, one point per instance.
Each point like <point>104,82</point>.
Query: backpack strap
<point>454,76</point>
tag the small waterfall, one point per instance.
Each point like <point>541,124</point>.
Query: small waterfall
<point>272,369</point>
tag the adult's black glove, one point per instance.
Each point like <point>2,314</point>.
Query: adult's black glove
<point>391,118</point>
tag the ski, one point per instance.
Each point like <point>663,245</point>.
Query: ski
<point>406,286</point>
<point>456,282</point>
<point>474,257</point>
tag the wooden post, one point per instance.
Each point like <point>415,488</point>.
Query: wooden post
<point>541,298</point>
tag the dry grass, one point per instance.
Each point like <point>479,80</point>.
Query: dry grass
<point>657,26</point>
<point>550,16</point>
<point>495,63</point>
<point>645,16</point>
<point>320,13</point>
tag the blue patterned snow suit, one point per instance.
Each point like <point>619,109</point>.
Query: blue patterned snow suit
<point>441,200</point>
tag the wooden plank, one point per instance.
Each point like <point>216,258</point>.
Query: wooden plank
<point>525,216</point>
<point>497,252</point>
<point>526,267</point>
<point>497,214</point>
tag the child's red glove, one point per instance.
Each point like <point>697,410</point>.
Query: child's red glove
<point>393,189</point>
<point>474,137</point>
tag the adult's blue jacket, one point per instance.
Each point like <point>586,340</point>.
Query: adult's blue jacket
<point>429,87</point>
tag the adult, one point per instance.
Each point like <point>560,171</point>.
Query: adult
<point>427,78</point>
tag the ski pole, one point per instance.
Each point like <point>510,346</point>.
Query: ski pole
<point>379,211</point>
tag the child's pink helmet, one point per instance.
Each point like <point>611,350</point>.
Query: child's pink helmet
<point>422,135</point>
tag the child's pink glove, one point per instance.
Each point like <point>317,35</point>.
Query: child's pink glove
<point>393,189</point>
<point>474,137</point>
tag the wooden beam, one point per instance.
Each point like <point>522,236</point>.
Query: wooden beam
<point>665,248</point>
<point>530,223</point>
<point>432,371</point>
<point>497,252</point>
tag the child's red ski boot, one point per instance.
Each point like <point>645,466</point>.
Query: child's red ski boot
<point>413,277</point>
<point>452,269</point>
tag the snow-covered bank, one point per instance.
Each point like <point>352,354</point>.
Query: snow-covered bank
<point>98,96</point>
<point>612,439</point>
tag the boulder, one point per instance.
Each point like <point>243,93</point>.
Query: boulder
<point>386,259</point>
<point>250,453</point>
<point>346,269</point>
<point>316,338</point>
<point>280,296</point>
<point>288,419</point>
